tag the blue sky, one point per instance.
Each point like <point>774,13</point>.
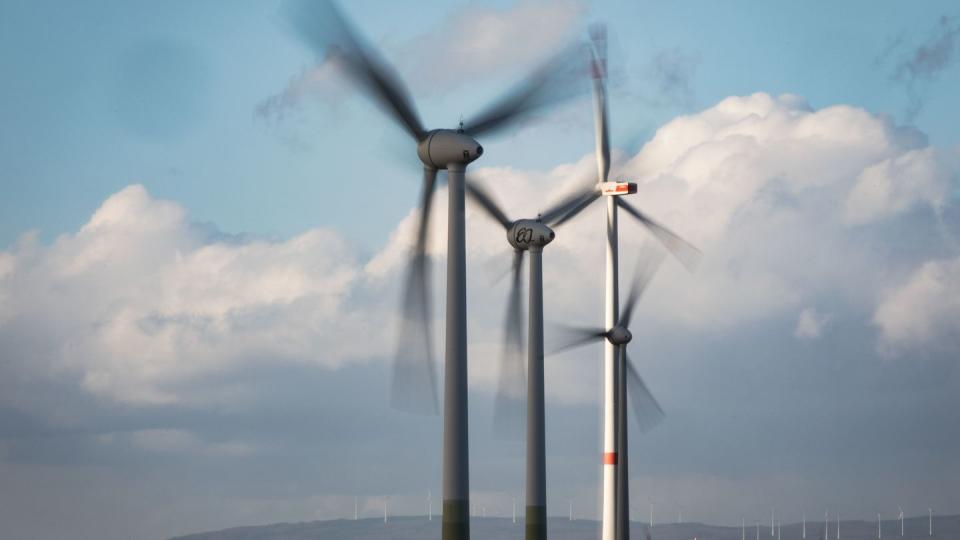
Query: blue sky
<point>202,230</point>
<point>107,94</point>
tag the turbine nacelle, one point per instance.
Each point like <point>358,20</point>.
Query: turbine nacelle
<point>529,233</point>
<point>617,188</point>
<point>618,335</point>
<point>443,147</point>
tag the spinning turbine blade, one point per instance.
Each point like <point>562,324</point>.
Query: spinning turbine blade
<point>647,264</point>
<point>587,198</point>
<point>320,24</point>
<point>688,255</point>
<point>574,337</point>
<point>414,386</point>
<point>571,204</point>
<point>509,404</point>
<point>555,81</point>
<point>486,202</point>
<point>598,65</point>
<point>645,407</point>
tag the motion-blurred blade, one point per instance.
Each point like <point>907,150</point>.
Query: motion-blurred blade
<point>585,199</point>
<point>598,65</point>
<point>486,202</point>
<point>509,403</point>
<point>645,407</point>
<point>414,385</point>
<point>571,337</point>
<point>322,27</point>
<point>560,209</point>
<point>688,255</point>
<point>558,79</point>
<point>648,262</point>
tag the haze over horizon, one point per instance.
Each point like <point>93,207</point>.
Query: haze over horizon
<point>203,232</point>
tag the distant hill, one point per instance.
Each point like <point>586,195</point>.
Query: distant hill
<point>418,528</point>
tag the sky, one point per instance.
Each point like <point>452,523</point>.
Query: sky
<point>203,229</point>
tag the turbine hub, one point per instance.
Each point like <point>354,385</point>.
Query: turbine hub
<point>619,335</point>
<point>529,233</point>
<point>443,147</point>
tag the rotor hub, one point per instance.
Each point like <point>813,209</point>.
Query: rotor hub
<point>529,233</point>
<point>619,335</point>
<point>441,148</point>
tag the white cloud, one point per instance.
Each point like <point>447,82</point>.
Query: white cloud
<point>810,324</point>
<point>924,311</point>
<point>898,184</point>
<point>139,301</point>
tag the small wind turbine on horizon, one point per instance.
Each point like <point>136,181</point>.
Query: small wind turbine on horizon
<point>901,519</point>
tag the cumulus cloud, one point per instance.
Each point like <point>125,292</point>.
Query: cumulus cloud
<point>898,184</point>
<point>140,301</point>
<point>924,312</point>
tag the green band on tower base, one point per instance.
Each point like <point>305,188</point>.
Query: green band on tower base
<point>536,523</point>
<point>456,520</point>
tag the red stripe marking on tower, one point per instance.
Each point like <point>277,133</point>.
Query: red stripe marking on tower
<point>609,458</point>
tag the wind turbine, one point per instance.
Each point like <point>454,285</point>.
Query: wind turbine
<point>804,525</point>
<point>743,529</point>
<point>528,236</point>
<point>615,517</point>
<point>321,25</point>
<point>773,512</point>
<point>901,520</point>
<point>879,530</point>
<point>647,411</point>
<point>930,517</point>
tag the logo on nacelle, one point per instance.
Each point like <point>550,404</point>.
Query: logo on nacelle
<point>527,233</point>
<point>523,235</point>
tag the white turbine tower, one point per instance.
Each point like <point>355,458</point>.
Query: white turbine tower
<point>804,525</point>
<point>429,506</point>
<point>901,520</point>
<point>838,525</point>
<point>879,530</point>
<point>616,498</point>
<point>930,517</point>
<point>773,512</point>
<point>826,525</point>
<point>758,530</point>
<point>743,529</point>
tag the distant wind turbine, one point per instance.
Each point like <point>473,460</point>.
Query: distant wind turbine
<point>743,529</point>
<point>901,520</point>
<point>879,530</point>
<point>930,514</point>
<point>804,525</point>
